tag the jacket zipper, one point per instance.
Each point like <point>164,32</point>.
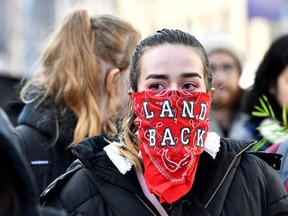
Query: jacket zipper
<point>139,198</point>
<point>228,170</point>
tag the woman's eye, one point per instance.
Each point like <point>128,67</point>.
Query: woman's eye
<point>189,86</point>
<point>157,87</point>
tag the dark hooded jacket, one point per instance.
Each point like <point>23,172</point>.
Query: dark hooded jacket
<point>17,192</point>
<point>44,147</point>
<point>235,183</point>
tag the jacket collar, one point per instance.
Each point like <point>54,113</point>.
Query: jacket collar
<point>90,152</point>
<point>48,117</point>
<point>228,158</point>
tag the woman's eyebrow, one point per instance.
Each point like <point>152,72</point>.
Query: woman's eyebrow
<point>157,76</point>
<point>190,74</point>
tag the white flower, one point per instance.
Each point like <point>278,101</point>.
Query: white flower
<point>271,130</point>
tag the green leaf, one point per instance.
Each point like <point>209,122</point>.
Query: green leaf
<point>265,110</point>
<point>263,105</point>
<point>284,116</point>
<point>269,106</point>
<point>258,108</point>
<point>260,114</point>
<point>283,130</point>
<point>259,144</point>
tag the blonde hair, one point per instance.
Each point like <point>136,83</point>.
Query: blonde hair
<point>75,66</point>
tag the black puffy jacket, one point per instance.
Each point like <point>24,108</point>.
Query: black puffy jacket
<point>241,184</point>
<point>17,179</point>
<point>42,145</point>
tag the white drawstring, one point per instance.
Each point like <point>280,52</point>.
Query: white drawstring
<point>149,195</point>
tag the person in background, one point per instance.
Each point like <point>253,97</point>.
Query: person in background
<point>166,162</point>
<point>271,82</point>
<point>226,64</point>
<point>76,91</point>
<point>17,194</point>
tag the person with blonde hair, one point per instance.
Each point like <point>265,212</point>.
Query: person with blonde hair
<point>76,92</point>
<point>166,162</point>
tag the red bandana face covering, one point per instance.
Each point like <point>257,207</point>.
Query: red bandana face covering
<point>172,128</point>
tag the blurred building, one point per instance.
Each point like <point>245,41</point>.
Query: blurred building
<point>253,24</point>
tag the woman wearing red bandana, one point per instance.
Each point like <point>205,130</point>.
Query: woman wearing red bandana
<point>166,162</point>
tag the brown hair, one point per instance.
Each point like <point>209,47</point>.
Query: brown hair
<point>75,65</point>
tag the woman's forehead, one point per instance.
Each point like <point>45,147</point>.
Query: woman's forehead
<point>171,57</point>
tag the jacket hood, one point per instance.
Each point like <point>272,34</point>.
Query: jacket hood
<point>47,117</point>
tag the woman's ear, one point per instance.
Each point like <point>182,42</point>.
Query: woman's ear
<point>110,81</point>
